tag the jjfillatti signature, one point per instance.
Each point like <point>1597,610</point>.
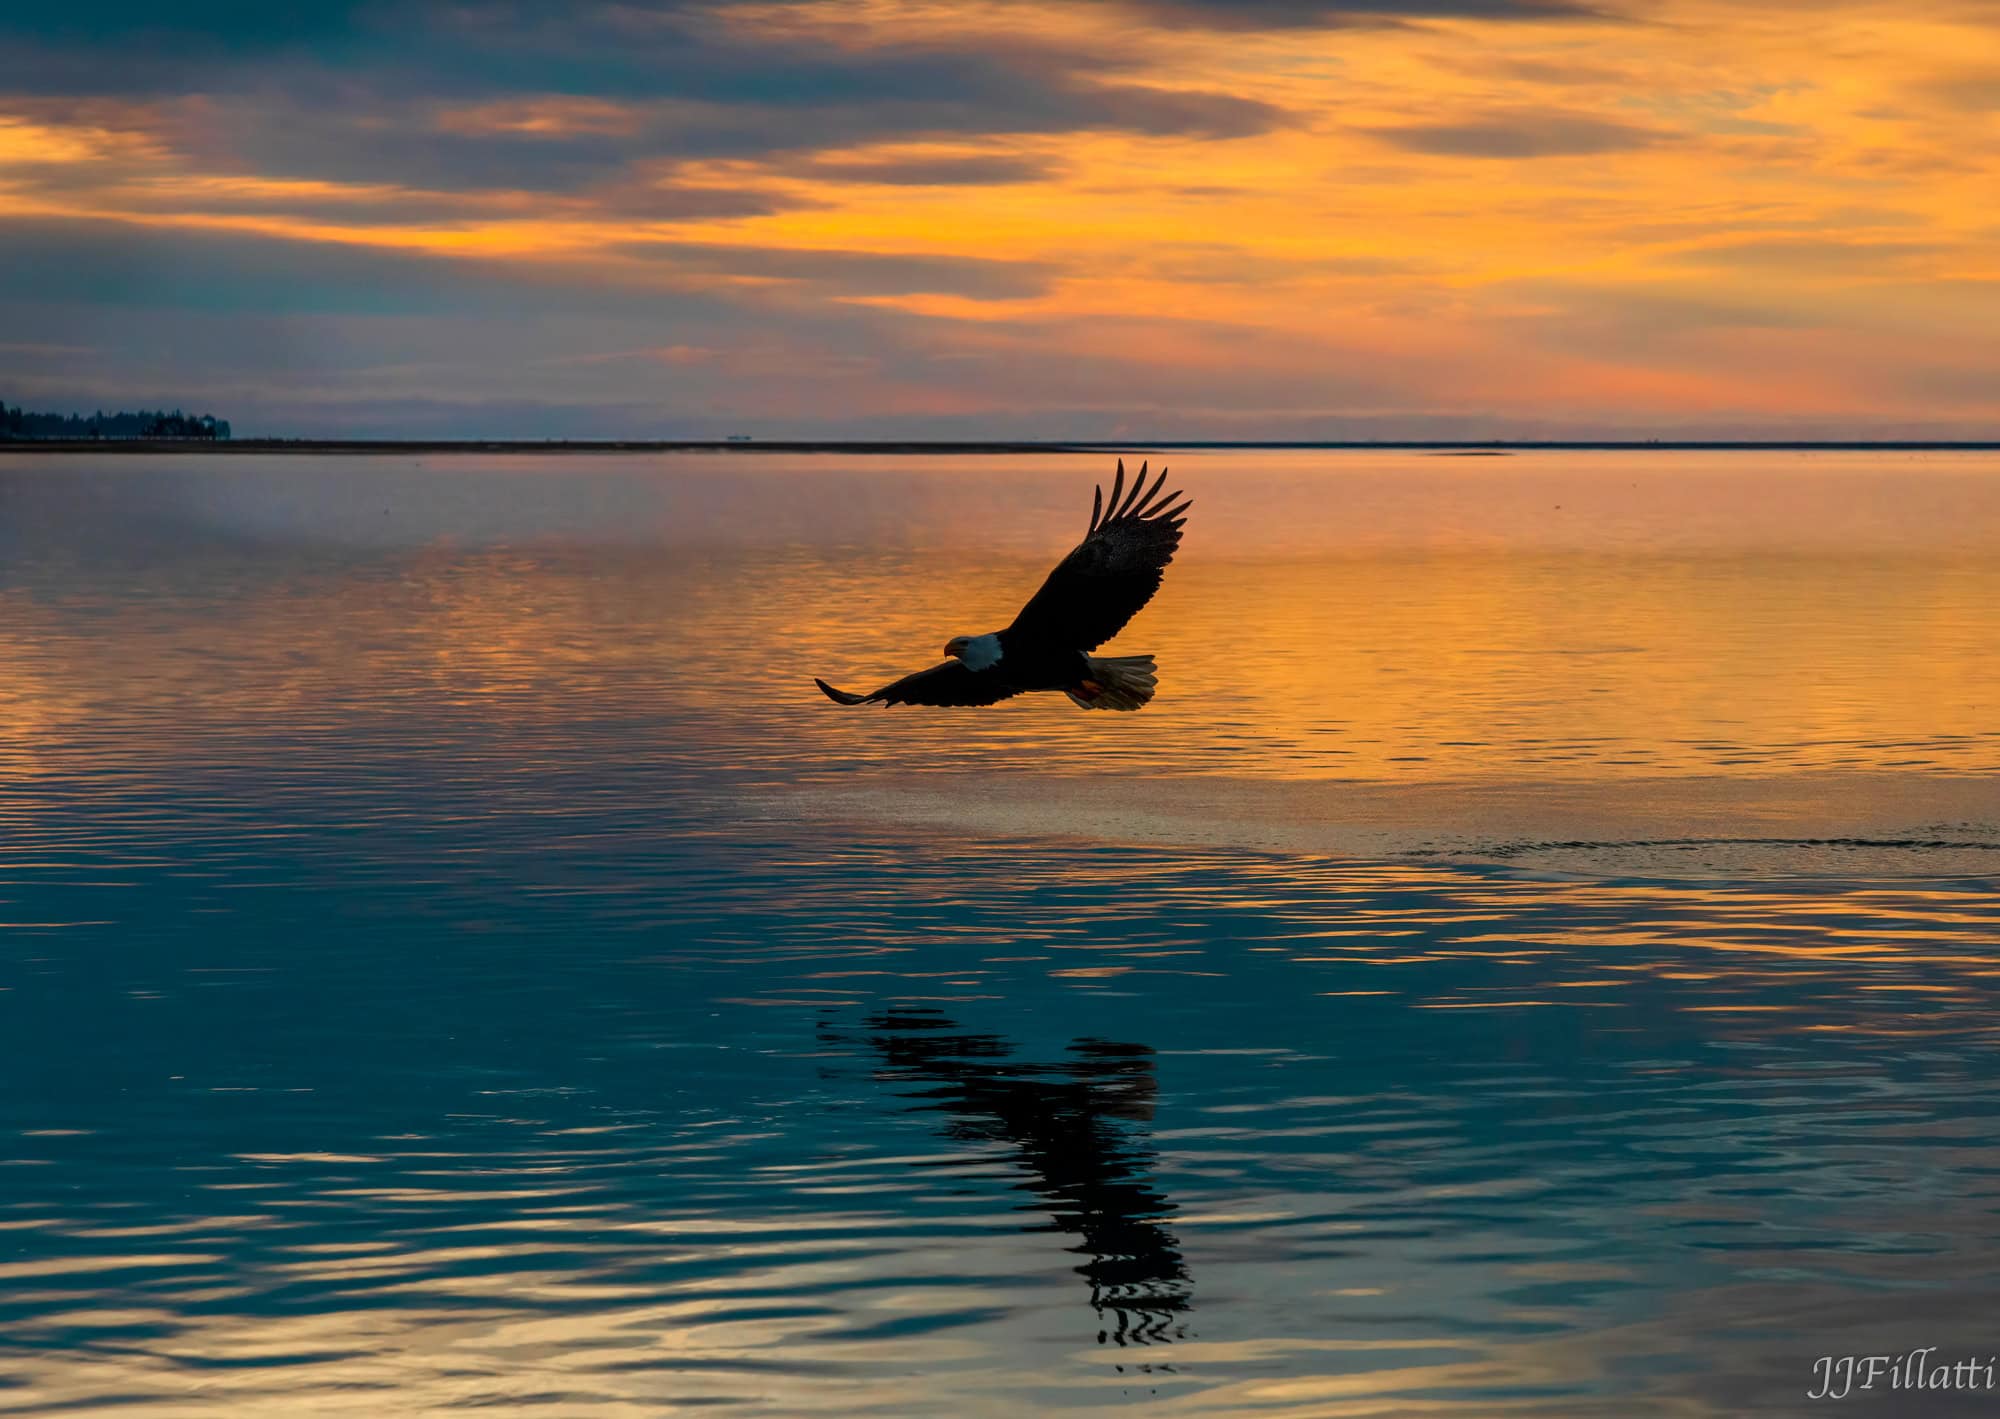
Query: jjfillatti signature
<point>1838,1376</point>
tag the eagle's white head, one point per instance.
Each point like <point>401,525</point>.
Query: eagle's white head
<point>978,652</point>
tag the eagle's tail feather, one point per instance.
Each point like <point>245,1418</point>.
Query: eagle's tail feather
<point>1118,682</point>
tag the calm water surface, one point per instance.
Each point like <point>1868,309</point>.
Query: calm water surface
<point>445,962</point>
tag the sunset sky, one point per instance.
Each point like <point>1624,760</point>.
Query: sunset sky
<point>1092,219</point>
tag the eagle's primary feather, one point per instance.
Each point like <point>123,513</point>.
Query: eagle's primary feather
<point>1112,573</point>
<point>947,684</point>
<point>1085,601</point>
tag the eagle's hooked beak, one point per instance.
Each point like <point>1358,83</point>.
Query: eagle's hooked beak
<point>955,646</point>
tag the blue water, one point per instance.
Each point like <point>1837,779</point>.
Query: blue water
<point>425,982</point>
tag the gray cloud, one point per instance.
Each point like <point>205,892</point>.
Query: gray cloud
<point>137,193</point>
<point>1658,323</point>
<point>362,101</point>
<point>1521,134</point>
<point>972,171</point>
<point>129,267</point>
<point>1326,14</point>
<point>692,132</point>
<point>430,110</point>
<point>1817,255</point>
<point>664,202</point>
<point>1221,264</point>
<point>854,273</point>
<point>1975,91</point>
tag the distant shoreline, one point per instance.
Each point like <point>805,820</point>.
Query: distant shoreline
<point>974,446</point>
<point>396,446</point>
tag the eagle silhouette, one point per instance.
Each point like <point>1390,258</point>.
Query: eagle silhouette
<point>1086,600</point>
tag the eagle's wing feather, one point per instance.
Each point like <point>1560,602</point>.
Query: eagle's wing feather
<point>947,684</point>
<point>1113,572</point>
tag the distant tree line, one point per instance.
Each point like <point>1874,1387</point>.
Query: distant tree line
<point>19,423</point>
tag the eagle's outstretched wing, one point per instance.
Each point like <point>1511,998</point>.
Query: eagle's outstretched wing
<point>947,684</point>
<point>1113,572</point>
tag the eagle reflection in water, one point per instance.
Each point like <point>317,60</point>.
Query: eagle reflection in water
<point>1064,1122</point>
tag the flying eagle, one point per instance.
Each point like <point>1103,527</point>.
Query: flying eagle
<point>1090,595</point>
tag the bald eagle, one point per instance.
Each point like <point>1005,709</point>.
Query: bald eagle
<point>1090,595</point>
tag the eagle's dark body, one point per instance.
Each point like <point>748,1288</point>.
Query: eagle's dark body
<point>1086,600</point>
<point>1029,663</point>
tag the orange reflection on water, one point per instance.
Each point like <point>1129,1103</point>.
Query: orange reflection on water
<point>1332,616</point>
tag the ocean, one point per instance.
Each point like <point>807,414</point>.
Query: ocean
<point>1536,956</point>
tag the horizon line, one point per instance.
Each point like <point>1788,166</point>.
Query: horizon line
<point>906,445</point>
